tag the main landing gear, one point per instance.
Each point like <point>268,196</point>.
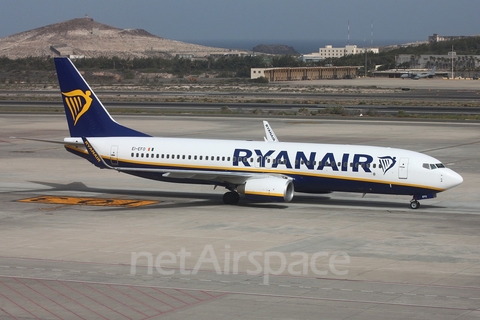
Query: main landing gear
<point>231,197</point>
<point>414,204</point>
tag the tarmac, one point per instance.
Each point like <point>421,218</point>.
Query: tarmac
<point>80,243</point>
<point>380,82</point>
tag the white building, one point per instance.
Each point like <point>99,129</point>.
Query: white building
<point>331,52</point>
<point>257,73</point>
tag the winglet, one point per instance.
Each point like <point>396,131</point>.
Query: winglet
<point>269,134</point>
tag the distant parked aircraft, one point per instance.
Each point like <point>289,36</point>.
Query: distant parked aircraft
<point>416,76</point>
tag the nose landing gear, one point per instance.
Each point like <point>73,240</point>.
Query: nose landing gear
<point>414,204</point>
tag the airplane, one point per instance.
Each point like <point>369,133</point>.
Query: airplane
<point>264,171</point>
<point>416,76</point>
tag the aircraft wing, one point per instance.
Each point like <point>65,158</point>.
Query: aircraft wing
<point>218,176</point>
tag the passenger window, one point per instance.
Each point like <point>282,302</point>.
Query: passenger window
<point>200,158</point>
<point>223,158</point>
<point>194,157</point>
<point>157,155</point>
<point>189,157</point>
<point>146,155</point>
<point>132,154</point>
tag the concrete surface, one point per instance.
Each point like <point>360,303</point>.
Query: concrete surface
<point>434,84</point>
<point>389,262</point>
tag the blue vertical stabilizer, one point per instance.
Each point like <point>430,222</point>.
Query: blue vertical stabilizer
<point>86,115</point>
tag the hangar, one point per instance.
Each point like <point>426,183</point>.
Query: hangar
<point>304,73</point>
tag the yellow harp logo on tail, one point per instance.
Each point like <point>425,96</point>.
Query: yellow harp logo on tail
<point>78,102</point>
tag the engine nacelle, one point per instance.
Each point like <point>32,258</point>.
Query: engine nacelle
<point>267,189</point>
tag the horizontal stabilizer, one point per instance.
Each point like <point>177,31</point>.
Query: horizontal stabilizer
<point>66,141</point>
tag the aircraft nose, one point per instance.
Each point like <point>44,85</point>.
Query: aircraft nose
<point>452,179</point>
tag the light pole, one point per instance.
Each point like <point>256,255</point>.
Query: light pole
<point>365,48</point>
<point>453,54</point>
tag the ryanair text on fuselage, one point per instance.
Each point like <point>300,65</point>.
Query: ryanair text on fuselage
<point>308,160</point>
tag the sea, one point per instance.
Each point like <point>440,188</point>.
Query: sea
<point>301,46</point>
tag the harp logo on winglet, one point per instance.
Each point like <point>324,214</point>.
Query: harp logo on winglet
<point>78,103</point>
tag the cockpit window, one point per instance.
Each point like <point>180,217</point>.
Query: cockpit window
<point>432,166</point>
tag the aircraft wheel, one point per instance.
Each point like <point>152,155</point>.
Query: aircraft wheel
<point>231,197</point>
<point>414,204</point>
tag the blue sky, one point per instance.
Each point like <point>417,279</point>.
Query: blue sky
<point>256,19</point>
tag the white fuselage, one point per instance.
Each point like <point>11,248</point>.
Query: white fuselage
<point>314,168</point>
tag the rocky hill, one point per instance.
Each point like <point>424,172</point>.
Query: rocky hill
<point>86,37</point>
<point>275,49</point>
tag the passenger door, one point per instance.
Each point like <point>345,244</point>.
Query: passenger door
<point>403,168</point>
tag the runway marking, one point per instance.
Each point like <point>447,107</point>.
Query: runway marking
<point>103,202</point>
